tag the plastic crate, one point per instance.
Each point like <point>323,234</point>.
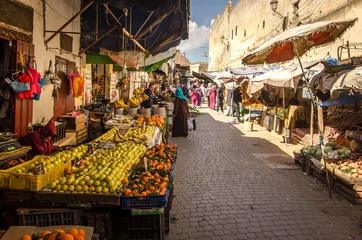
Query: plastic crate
<point>61,130</point>
<point>31,182</point>
<point>147,202</point>
<point>146,227</point>
<point>167,210</point>
<point>101,221</point>
<point>48,217</point>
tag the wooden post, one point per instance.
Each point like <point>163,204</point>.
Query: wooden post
<point>320,118</point>
<point>311,122</point>
<point>276,112</point>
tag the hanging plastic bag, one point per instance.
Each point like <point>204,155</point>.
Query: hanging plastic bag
<point>51,77</point>
<point>17,86</point>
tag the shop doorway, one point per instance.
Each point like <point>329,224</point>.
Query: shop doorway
<point>65,102</point>
<point>5,91</point>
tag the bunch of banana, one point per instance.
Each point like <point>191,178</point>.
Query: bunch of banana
<point>134,102</point>
<point>144,97</point>
<point>142,138</point>
<point>119,104</point>
<point>108,136</point>
<point>124,121</point>
<point>138,91</point>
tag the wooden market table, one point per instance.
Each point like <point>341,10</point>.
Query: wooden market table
<point>5,157</point>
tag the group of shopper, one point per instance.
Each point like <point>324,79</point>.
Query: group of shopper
<point>216,99</point>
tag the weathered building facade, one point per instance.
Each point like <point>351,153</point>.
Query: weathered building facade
<point>199,67</point>
<point>248,24</point>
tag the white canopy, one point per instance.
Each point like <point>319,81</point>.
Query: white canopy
<point>287,78</point>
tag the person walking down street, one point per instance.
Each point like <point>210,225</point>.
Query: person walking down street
<point>149,92</point>
<point>185,91</point>
<point>209,86</point>
<point>180,115</point>
<point>220,99</point>
<point>228,101</point>
<point>236,103</point>
<point>212,95</point>
<point>194,98</point>
<point>200,95</point>
<point>203,90</point>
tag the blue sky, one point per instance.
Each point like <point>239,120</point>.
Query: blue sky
<point>202,11</point>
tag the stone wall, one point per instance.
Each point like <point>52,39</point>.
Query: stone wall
<point>255,23</point>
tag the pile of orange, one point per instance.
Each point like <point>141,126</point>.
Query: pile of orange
<point>147,184</point>
<point>58,234</point>
<point>153,121</point>
<point>156,180</point>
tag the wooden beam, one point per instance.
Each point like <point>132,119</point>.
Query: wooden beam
<point>124,30</point>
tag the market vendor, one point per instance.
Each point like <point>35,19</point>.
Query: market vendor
<point>40,140</point>
<point>149,92</point>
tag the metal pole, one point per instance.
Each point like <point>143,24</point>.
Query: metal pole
<point>124,30</point>
<point>97,21</point>
<point>152,26</point>
<point>100,38</point>
<point>319,127</point>
<point>50,31</point>
<point>68,22</point>
<point>44,18</point>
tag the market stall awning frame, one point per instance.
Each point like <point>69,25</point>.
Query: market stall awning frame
<point>136,19</point>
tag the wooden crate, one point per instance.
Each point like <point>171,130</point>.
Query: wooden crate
<point>82,135</point>
<point>351,192</point>
<point>74,123</point>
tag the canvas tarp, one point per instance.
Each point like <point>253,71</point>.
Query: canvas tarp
<point>284,78</point>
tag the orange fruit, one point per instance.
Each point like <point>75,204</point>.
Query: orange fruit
<point>45,233</point>
<point>60,231</point>
<point>73,231</point>
<point>125,181</point>
<point>81,232</point>
<point>25,237</point>
<point>67,236</point>
<point>54,236</point>
<point>79,237</point>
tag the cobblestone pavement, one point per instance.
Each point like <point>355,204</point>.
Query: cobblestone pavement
<point>226,188</point>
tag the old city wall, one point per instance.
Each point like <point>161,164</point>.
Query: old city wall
<point>255,23</point>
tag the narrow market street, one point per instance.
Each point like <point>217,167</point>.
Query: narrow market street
<point>231,186</point>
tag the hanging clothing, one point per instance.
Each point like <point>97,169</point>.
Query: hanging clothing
<point>24,77</point>
<point>42,82</point>
<point>76,84</point>
<point>35,88</point>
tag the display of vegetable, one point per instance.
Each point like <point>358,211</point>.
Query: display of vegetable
<point>330,150</point>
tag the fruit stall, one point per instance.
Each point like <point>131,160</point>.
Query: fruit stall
<point>119,183</point>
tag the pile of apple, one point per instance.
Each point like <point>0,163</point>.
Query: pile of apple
<point>103,172</point>
<point>51,162</point>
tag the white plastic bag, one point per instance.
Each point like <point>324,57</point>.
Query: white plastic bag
<point>191,124</point>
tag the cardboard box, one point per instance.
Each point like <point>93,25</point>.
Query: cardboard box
<point>16,232</point>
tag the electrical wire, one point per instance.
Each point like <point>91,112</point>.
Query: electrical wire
<point>58,12</point>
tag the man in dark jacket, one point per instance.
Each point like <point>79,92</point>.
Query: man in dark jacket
<point>149,92</point>
<point>236,102</point>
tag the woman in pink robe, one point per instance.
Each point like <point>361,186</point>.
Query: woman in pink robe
<point>213,97</point>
